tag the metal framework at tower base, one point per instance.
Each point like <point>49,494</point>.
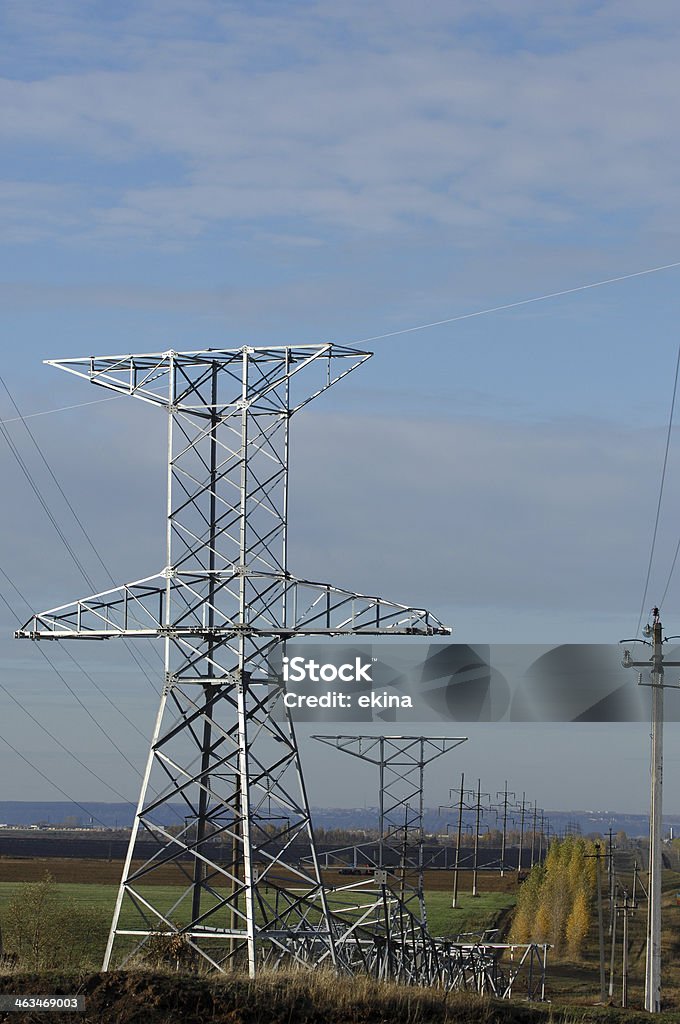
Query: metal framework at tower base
<point>496,969</point>
<point>389,907</point>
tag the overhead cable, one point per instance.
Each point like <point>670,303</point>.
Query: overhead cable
<point>62,408</point>
<point>72,657</point>
<point>643,603</point>
<point>52,782</point>
<point>36,490</point>
<point>78,701</point>
<point>514,305</point>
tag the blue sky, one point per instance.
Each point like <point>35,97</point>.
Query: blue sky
<point>181,174</point>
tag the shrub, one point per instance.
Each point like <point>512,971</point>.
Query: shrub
<point>45,931</point>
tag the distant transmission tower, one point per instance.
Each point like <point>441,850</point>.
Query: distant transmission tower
<point>225,882</point>
<point>401,763</point>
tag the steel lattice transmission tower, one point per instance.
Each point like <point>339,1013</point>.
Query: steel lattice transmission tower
<point>224,600</point>
<point>401,763</point>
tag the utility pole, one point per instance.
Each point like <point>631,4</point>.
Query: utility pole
<point>454,901</point>
<point>625,906</point>
<point>459,832</point>
<point>611,880</point>
<point>653,958</point>
<point>475,855</point>
<point>600,923</point>
<point>629,907</point>
<point>521,835</point>
<point>504,794</point>
<point>635,878</point>
<point>613,956</point>
<point>478,813</point>
<point>655,665</point>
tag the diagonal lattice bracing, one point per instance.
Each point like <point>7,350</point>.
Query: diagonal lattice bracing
<point>223,825</point>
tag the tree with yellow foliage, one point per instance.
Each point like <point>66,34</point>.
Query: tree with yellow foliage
<point>524,918</point>
<point>554,902</point>
<point>578,924</point>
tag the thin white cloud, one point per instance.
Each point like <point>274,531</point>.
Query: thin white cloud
<point>313,115</point>
<point>32,211</point>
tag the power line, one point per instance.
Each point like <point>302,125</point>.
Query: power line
<point>84,708</point>
<point>72,657</point>
<point>658,504</point>
<point>36,490</point>
<point>137,658</point>
<point>62,408</point>
<point>106,697</point>
<point>670,574</point>
<point>79,701</point>
<point>514,305</point>
<point>13,448</point>
<point>56,482</point>
<point>66,749</point>
<point>51,781</point>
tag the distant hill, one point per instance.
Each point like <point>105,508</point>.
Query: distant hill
<point>20,812</point>
<point>121,815</point>
<point>585,822</point>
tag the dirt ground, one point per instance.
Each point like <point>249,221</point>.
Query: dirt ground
<point>108,872</point>
<point>147,998</point>
<point>152,998</point>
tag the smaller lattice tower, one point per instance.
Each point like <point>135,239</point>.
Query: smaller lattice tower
<point>401,763</point>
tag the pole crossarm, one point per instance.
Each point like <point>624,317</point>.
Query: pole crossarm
<point>147,376</point>
<point>405,751</point>
<point>139,609</point>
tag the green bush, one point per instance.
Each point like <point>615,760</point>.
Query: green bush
<point>46,931</point>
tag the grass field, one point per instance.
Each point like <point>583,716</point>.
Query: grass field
<point>73,926</point>
<point>90,887</point>
<point>568,982</point>
<point>472,915</point>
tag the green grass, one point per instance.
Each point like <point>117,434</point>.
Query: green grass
<point>74,926</point>
<point>472,915</point>
<point>87,895</point>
